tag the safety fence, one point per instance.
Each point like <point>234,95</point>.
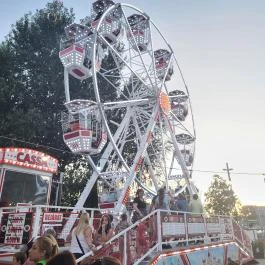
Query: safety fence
<point>164,230</point>
<point>20,224</point>
<point>156,232</point>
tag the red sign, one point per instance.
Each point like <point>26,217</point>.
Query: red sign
<point>52,217</point>
<point>27,158</point>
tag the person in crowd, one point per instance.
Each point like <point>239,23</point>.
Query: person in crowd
<point>26,248</point>
<point>19,258</point>
<point>62,258</point>
<point>106,260</point>
<point>50,231</point>
<point>182,203</point>
<point>82,237</point>
<point>42,249</point>
<point>123,223</point>
<point>195,205</point>
<point>162,200</point>
<point>139,206</point>
<point>153,203</point>
<point>105,230</point>
<point>140,210</point>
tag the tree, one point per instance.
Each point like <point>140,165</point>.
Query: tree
<point>220,198</point>
<point>32,91</point>
<point>75,178</point>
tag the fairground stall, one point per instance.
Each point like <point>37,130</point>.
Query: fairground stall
<point>25,176</point>
<point>25,180</point>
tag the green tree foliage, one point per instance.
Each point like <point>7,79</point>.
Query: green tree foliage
<point>32,90</point>
<point>220,198</point>
<point>75,178</point>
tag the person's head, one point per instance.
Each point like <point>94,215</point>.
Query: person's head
<point>123,217</point>
<point>19,258</point>
<point>50,231</point>
<point>195,196</point>
<point>105,219</point>
<point>181,197</point>
<point>65,258</point>
<point>154,200</point>
<point>82,224</point>
<point>43,248</point>
<point>161,194</point>
<point>161,191</point>
<point>106,222</point>
<point>52,238</point>
<point>108,260</point>
<point>140,193</point>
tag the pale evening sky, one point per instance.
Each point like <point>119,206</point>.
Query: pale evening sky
<point>220,46</point>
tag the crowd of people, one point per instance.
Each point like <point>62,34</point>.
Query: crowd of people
<point>44,249</point>
<point>84,238</point>
<point>164,200</point>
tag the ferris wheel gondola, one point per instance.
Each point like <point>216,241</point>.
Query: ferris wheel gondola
<point>145,117</point>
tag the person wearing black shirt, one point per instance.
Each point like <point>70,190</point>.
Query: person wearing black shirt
<point>139,206</point>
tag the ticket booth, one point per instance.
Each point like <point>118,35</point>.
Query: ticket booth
<point>25,176</point>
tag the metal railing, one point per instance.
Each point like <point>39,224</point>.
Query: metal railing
<point>169,229</point>
<point>157,231</point>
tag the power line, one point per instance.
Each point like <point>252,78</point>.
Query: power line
<point>192,170</point>
<point>36,145</point>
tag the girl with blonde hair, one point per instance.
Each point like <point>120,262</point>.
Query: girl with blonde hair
<point>82,237</point>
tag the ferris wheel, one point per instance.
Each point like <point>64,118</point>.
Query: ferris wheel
<point>138,123</point>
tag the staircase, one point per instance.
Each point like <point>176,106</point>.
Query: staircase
<point>168,236</point>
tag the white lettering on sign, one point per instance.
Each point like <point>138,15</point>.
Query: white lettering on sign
<point>27,158</point>
<point>52,217</point>
<point>15,228</point>
<point>171,177</point>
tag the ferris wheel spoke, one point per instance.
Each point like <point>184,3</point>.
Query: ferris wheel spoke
<point>152,172</point>
<point>112,85</point>
<point>122,104</point>
<point>127,81</point>
<point>178,153</point>
<point>138,59</point>
<point>121,59</point>
<point>151,54</point>
<point>147,158</point>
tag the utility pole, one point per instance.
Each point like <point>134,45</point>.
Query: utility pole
<point>59,190</point>
<point>228,171</point>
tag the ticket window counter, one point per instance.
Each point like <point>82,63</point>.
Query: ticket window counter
<point>26,176</point>
<point>26,188</point>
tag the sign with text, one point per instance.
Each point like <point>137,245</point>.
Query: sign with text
<point>173,225</point>
<point>27,158</point>
<point>23,207</point>
<point>52,217</point>
<point>15,228</point>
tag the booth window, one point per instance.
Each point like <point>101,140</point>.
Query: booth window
<point>22,187</point>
